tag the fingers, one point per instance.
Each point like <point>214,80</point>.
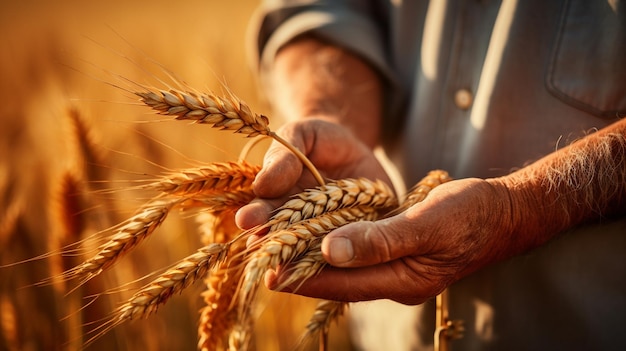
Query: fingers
<point>404,282</point>
<point>372,260</point>
<point>281,171</point>
<point>255,213</point>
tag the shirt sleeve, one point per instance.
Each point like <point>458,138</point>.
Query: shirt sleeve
<point>358,26</point>
<point>354,25</point>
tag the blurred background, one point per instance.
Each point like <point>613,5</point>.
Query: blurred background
<point>68,132</point>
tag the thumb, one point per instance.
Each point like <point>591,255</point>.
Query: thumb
<point>368,243</point>
<point>280,172</point>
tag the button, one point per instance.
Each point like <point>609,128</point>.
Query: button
<point>463,99</point>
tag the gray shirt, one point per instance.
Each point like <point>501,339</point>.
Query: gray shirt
<point>480,88</point>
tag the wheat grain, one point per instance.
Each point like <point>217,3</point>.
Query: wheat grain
<point>305,266</point>
<point>240,337</point>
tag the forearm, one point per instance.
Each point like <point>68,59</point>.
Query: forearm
<point>582,182</point>
<point>311,78</point>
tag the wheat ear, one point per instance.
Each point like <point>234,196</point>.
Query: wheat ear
<point>217,317</point>
<point>325,313</point>
<point>419,192</point>
<point>147,300</point>
<point>209,187</point>
<point>223,113</point>
<point>173,281</point>
<point>127,236</point>
<point>217,176</point>
<point>332,196</point>
<point>219,201</point>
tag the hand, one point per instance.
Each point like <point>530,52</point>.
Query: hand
<point>333,149</point>
<point>415,255</point>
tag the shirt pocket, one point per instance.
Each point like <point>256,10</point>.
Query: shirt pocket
<point>588,65</point>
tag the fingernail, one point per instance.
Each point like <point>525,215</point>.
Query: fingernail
<point>340,250</point>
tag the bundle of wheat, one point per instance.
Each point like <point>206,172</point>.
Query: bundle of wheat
<point>232,267</point>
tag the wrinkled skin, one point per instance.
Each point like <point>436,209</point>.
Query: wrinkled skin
<point>409,257</point>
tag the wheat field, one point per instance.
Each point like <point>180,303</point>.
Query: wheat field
<point>73,145</point>
<point>118,186</point>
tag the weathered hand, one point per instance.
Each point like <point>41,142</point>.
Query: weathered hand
<point>334,150</point>
<point>413,256</point>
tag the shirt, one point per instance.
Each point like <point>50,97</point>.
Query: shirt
<point>480,88</point>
